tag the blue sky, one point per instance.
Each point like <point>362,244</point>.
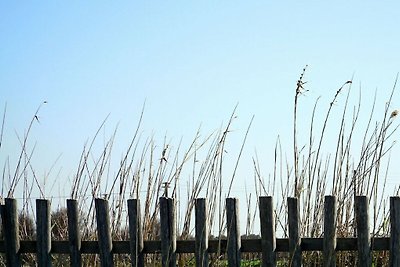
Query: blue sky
<point>191,62</point>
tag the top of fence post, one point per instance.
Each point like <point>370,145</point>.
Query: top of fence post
<point>201,243</point>
<point>329,246</point>
<point>233,242</point>
<point>74,237</point>
<point>363,237</point>
<point>168,231</point>
<point>267,225</point>
<point>104,232</point>
<point>294,232</point>
<point>43,225</point>
<point>394,231</point>
<point>135,233</point>
<point>9,216</point>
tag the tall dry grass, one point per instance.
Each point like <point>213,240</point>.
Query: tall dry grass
<point>148,170</point>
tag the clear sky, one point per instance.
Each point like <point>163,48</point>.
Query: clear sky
<point>191,62</point>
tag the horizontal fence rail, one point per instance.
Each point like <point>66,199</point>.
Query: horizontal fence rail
<point>168,246</point>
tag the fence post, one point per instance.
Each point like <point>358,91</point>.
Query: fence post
<point>74,236</point>
<point>43,225</point>
<point>135,233</point>
<point>394,231</point>
<point>104,232</point>
<point>267,225</point>
<point>294,235</point>
<point>330,212</point>
<point>9,216</point>
<point>168,231</point>
<point>201,243</point>
<point>233,231</point>
<point>363,237</point>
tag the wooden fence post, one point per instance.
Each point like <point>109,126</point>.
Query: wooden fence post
<point>233,231</point>
<point>294,234</point>
<point>394,231</point>
<point>43,224</point>
<point>267,225</point>
<point>168,231</point>
<point>201,243</point>
<point>330,212</point>
<point>363,237</point>
<point>9,216</point>
<point>74,236</point>
<point>135,233</point>
<point>104,232</point>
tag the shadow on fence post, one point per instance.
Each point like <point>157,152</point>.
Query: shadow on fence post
<point>267,225</point>
<point>232,223</point>
<point>363,237</point>
<point>329,246</point>
<point>104,232</point>
<point>168,231</point>
<point>201,244</point>
<point>74,236</point>
<point>43,225</point>
<point>394,231</point>
<point>294,234</point>
<point>9,215</point>
<point>135,233</point>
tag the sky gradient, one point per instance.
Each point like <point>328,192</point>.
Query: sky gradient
<point>191,63</point>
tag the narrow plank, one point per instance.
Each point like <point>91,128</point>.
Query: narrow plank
<point>201,229</point>
<point>233,232</point>
<point>104,232</point>
<point>330,208</point>
<point>74,236</point>
<point>9,214</point>
<point>135,233</point>
<point>363,235</point>
<point>294,234</point>
<point>168,232</point>
<point>394,254</point>
<point>267,225</point>
<point>43,230</point>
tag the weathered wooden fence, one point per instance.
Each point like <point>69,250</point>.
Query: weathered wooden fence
<point>268,245</point>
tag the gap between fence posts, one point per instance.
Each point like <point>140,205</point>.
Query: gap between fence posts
<point>201,243</point>
<point>233,232</point>
<point>168,232</point>
<point>135,233</point>
<point>104,232</point>
<point>394,254</point>
<point>268,235</point>
<point>294,233</point>
<point>363,236</point>
<point>74,236</point>
<point>9,216</point>
<point>329,245</point>
<point>43,224</point>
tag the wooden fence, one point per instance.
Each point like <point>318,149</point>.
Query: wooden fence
<point>268,245</point>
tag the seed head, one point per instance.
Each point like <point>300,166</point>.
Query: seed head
<point>394,113</point>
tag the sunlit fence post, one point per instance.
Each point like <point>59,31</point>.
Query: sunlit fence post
<point>74,236</point>
<point>43,229</point>
<point>104,232</point>
<point>363,236</point>
<point>9,215</point>
<point>267,225</point>
<point>294,232</point>
<point>168,231</point>
<point>330,213</point>
<point>135,233</point>
<point>201,226</point>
